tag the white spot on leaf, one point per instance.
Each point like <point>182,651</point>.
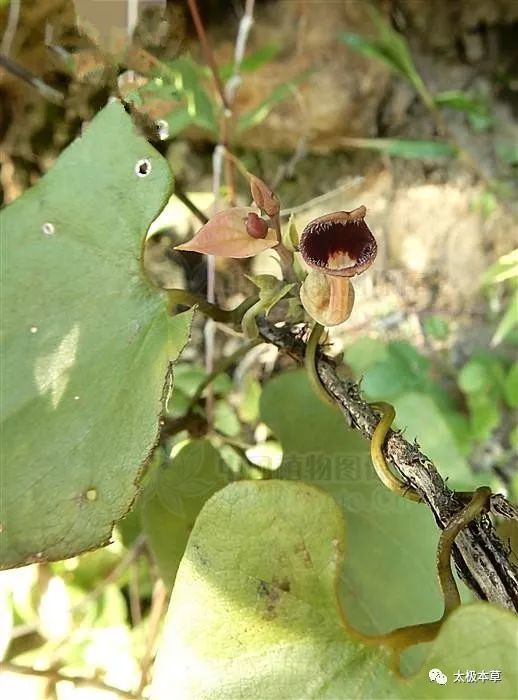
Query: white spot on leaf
<point>48,229</point>
<point>51,372</point>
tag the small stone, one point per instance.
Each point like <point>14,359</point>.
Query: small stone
<point>34,329</point>
<point>91,495</point>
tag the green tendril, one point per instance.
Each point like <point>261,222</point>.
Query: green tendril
<point>310,364</point>
<point>403,637</point>
<point>379,462</point>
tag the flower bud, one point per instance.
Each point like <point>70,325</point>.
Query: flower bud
<point>266,200</point>
<point>255,226</point>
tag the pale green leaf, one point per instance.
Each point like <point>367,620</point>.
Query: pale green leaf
<point>391,48</point>
<point>483,373</point>
<point>363,353</point>
<point>320,449</point>
<point>254,612</point>
<point>474,377</point>
<point>505,268</point>
<point>173,497</point>
<point>507,151</point>
<point>485,415</point>
<point>248,407</point>
<point>508,322</point>
<point>511,386</point>
<point>421,418</point>
<point>184,82</point>
<point>178,120</point>
<point>436,326</point>
<point>253,61</point>
<point>87,343</point>
<point>271,290</point>
<point>225,419</point>
<point>462,102</point>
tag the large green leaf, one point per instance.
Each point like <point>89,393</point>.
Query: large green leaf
<point>173,497</point>
<point>87,343</point>
<point>389,577</point>
<point>254,612</point>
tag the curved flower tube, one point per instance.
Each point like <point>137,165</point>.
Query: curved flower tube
<point>329,300</point>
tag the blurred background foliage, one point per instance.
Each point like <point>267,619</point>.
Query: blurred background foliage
<point>407,107</point>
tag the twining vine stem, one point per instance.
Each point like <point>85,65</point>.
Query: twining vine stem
<point>480,555</point>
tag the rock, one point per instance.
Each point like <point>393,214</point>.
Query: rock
<point>440,25</point>
<point>433,229</point>
<point>340,96</point>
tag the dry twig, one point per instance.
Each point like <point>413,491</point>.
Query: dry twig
<point>54,676</point>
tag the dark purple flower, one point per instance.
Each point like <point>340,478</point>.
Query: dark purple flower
<point>339,244</point>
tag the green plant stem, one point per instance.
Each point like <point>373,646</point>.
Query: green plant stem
<point>248,322</point>
<point>390,480</point>
<point>233,442</point>
<point>310,364</point>
<point>191,206</point>
<point>478,504</point>
<point>284,254</point>
<point>219,369</point>
<point>232,316</point>
<point>194,423</point>
<point>240,166</point>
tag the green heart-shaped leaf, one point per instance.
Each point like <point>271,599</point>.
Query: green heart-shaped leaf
<point>87,343</point>
<point>255,614</point>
